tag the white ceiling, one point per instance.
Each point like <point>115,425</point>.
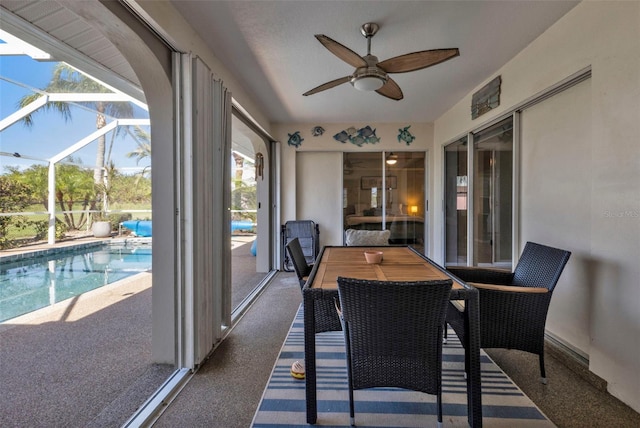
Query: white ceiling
<point>63,34</point>
<point>270,47</point>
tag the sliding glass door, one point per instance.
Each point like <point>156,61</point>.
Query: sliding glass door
<point>486,190</point>
<point>493,190</point>
<point>249,155</point>
<point>456,204</point>
<point>386,191</point>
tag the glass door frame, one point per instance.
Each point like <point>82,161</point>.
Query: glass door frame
<point>271,169</point>
<point>406,230</point>
<point>515,193</point>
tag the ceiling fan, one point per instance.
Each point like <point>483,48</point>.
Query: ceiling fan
<point>371,75</point>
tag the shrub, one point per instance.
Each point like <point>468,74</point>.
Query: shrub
<point>42,229</point>
<point>116,219</point>
<point>13,198</point>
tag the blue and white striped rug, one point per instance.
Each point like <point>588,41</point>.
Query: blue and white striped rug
<point>283,401</point>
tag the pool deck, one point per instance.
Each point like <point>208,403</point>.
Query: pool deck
<point>85,304</point>
<point>81,362</point>
<point>86,361</point>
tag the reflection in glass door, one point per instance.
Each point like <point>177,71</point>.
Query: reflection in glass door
<point>493,195</point>
<point>405,198</point>
<point>390,197</point>
<point>248,150</point>
<point>362,201</point>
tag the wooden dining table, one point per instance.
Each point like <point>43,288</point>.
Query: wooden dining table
<point>399,263</point>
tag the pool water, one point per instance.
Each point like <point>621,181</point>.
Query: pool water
<point>34,283</point>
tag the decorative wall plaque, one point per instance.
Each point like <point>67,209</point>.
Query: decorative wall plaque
<point>405,135</point>
<point>486,98</point>
<point>358,137</point>
<point>295,139</point>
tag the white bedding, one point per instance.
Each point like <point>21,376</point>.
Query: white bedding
<point>353,220</point>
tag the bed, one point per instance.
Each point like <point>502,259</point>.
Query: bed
<point>405,229</point>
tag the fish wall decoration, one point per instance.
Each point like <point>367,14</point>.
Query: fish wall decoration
<point>361,136</point>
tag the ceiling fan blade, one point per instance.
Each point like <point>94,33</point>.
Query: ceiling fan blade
<point>341,51</point>
<point>391,90</point>
<point>328,85</point>
<point>417,60</point>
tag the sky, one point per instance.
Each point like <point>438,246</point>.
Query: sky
<point>50,134</point>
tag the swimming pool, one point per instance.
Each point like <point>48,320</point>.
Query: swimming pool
<point>32,283</point>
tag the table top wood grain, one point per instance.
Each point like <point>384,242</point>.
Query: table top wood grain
<point>398,264</point>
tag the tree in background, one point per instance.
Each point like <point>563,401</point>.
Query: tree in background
<point>74,189</point>
<point>36,180</point>
<point>74,186</point>
<point>14,197</point>
<point>143,147</point>
<point>243,193</point>
<point>132,190</point>
<point>244,197</point>
<point>66,79</point>
<point>24,190</point>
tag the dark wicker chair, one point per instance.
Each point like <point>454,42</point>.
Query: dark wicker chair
<point>514,305</point>
<point>393,335</point>
<point>325,310</point>
<point>298,261</point>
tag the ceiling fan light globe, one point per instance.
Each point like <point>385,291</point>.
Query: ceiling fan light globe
<point>367,83</point>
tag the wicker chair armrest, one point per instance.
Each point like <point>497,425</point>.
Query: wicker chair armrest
<point>458,304</point>
<point>482,275</point>
<point>336,303</point>
<point>509,288</point>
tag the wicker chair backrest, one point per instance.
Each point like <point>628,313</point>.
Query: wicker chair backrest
<point>540,266</point>
<point>300,265</point>
<point>393,332</point>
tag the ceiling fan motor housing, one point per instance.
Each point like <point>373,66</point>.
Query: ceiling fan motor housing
<point>370,77</point>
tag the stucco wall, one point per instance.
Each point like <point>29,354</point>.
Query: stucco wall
<point>165,16</point>
<point>606,37</point>
<point>331,177</point>
<point>556,133</point>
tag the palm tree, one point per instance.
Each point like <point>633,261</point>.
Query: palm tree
<point>143,148</point>
<point>66,79</point>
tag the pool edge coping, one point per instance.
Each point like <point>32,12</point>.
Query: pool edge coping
<point>41,252</point>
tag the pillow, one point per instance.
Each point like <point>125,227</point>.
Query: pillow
<point>366,237</point>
